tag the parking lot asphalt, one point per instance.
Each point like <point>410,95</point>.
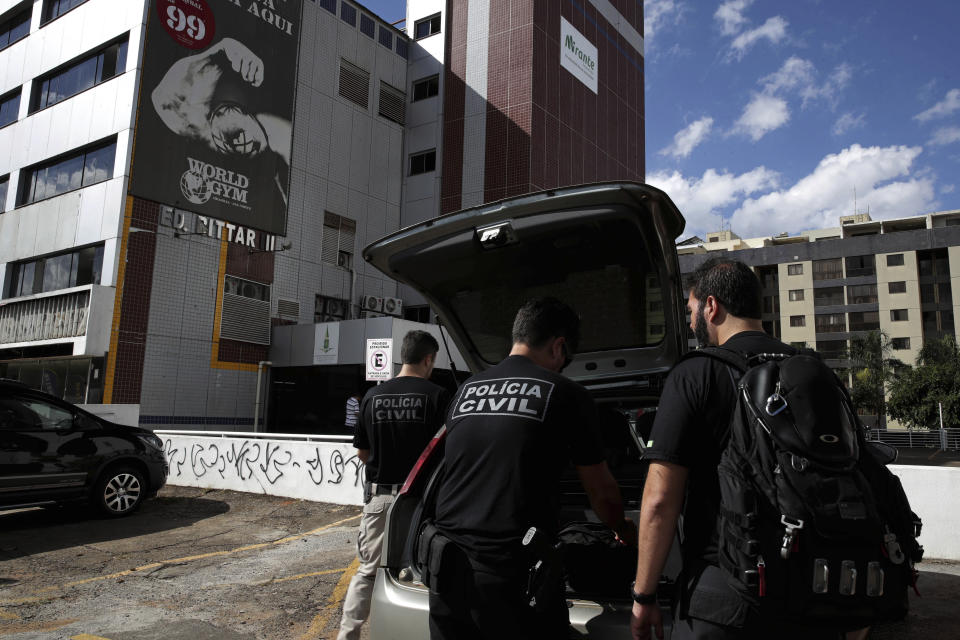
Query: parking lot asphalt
<point>199,564</point>
<point>192,563</point>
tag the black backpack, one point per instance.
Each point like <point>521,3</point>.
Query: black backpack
<point>812,525</point>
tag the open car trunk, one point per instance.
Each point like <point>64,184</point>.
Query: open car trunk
<point>608,251</point>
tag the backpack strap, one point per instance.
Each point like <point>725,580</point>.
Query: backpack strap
<point>734,359</point>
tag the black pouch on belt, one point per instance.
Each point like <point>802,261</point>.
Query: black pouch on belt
<point>545,578</point>
<point>431,548</point>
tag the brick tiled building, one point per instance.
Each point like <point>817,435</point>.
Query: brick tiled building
<point>152,313</point>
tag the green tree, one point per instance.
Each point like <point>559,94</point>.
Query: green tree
<point>873,368</point>
<point>916,393</point>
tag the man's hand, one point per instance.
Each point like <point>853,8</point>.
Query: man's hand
<point>627,532</point>
<point>642,618</point>
<point>242,60</point>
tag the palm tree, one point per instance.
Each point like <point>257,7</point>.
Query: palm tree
<point>873,368</point>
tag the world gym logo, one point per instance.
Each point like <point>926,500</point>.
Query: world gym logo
<point>203,181</point>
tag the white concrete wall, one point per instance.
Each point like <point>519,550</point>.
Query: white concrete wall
<point>934,494</point>
<point>125,414</point>
<point>318,471</point>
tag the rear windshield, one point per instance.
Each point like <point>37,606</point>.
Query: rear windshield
<point>602,267</point>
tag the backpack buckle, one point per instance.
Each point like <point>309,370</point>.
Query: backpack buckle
<point>793,525</point>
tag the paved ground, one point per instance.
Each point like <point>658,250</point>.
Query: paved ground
<point>191,564</point>
<point>198,564</point>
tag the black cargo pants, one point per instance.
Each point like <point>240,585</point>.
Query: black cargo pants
<point>475,602</point>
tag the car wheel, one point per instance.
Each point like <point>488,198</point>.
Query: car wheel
<point>119,491</point>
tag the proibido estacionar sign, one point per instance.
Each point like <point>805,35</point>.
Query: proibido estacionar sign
<point>216,110</point>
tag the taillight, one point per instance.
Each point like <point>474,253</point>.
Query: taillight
<point>424,457</point>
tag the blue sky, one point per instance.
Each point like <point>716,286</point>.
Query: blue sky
<point>768,116</point>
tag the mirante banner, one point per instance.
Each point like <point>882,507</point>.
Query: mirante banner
<point>216,109</point>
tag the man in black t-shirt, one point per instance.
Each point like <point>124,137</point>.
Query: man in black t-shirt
<point>688,437</point>
<point>396,421</point>
<point>511,432</point>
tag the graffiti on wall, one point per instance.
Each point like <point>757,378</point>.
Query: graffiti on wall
<point>261,462</point>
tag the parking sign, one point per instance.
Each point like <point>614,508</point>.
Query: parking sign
<point>379,359</point>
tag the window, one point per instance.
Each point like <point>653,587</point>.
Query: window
<point>830,322</point>
<point>865,321</point>
<point>426,27</point>
<point>828,269</point>
<point>246,288</point>
<point>56,8</point>
<point>895,260</point>
<point>4,183</point>
<point>862,294</point>
<point>426,88</point>
<point>15,28</point>
<point>656,329</point>
<point>327,309</point>
<point>796,295</point>
<point>385,37</point>
<point>367,25</point>
<point>798,321</point>
<point>402,47</point>
<point>794,269</point>
<point>423,162</point>
<point>771,304</point>
<point>354,83</point>
<point>78,76</point>
<point>392,103</point>
<point>38,415</point>
<point>832,349</point>
<point>74,269</point>
<point>348,13</point>
<point>9,107</point>
<point>79,169</point>
<point>898,315</point>
<point>828,296</point>
<point>329,5</point>
<point>861,266</point>
<point>655,305</point>
<point>798,345</point>
<point>338,240</point>
<point>897,287</point>
<point>900,344</point>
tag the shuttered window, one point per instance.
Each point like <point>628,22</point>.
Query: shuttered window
<point>339,234</point>
<point>246,311</point>
<point>392,102</point>
<point>354,83</point>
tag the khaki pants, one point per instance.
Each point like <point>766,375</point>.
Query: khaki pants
<point>356,605</point>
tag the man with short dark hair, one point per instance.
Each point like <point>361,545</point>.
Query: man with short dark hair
<point>397,419</point>
<point>511,432</point>
<point>688,437</point>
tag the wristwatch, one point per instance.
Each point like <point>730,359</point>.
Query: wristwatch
<point>643,598</point>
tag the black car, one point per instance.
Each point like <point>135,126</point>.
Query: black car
<point>52,452</point>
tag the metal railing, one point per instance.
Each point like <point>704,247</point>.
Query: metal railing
<point>45,318</point>
<point>943,439</point>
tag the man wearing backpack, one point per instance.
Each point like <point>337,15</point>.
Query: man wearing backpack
<point>686,443</point>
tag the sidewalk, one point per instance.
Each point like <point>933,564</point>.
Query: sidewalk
<point>934,615</point>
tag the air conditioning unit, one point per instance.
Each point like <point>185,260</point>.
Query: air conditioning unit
<point>371,303</point>
<point>393,306</point>
<point>336,307</point>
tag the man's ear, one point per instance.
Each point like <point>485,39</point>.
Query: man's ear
<point>711,309</point>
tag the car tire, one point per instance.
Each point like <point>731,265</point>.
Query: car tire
<point>119,491</point>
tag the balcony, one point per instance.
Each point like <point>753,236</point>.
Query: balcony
<point>60,316</point>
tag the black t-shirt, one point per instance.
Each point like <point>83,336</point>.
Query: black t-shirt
<point>691,429</point>
<point>397,419</point>
<point>512,431</point>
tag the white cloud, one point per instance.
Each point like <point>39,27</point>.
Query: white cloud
<point>688,138</point>
<point>800,76</point>
<point>949,104</point>
<point>658,14</point>
<point>818,199</point>
<point>848,121</point>
<point>947,188</point>
<point>945,135</point>
<point>774,30</point>
<point>702,199</point>
<point>762,115</point>
<point>730,16</point>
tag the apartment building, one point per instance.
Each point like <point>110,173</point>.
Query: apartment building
<point>169,269</point>
<point>824,287</point>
